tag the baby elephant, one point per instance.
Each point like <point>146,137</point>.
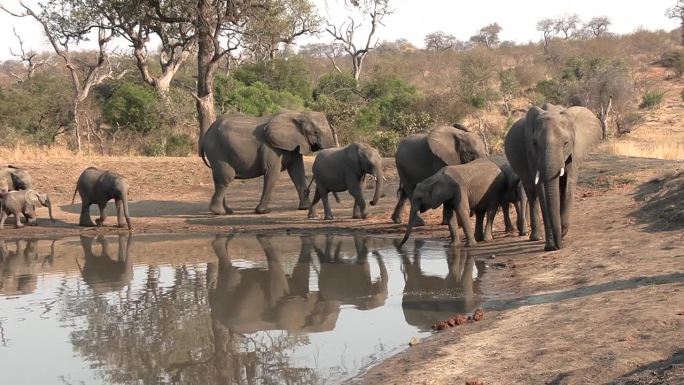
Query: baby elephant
<point>479,186</point>
<point>23,202</point>
<point>96,186</point>
<point>340,169</point>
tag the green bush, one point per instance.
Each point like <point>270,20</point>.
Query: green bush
<point>338,86</point>
<point>289,75</point>
<point>386,142</point>
<point>155,149</point>
<point>256,99</point>
<point>651,99</point>
<point>551,90</point>
<point>180,145</point>
<point>134,107</point>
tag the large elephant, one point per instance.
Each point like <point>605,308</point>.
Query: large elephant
<point>105,272</point>
<point>545,148</point>
<point>340,169</point>
<point>423,154</point>
<point>430,298</point>
<point>237,146</point>
<point>96,186</point>
<point>478,186</point>
<point>14,178</point>
<point>349,281</point>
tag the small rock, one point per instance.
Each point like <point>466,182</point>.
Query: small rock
<point>474,382</point>
<point>478,315</point>
<point>414,341</point>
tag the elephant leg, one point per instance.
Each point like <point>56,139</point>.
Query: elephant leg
<point>359,202</point>
<point>463,211</point>
<point>446,215</point>
<point>479,225</point>
<point>534,217</point>
<point>17,218</point>
<point>567,192</point>
<point>312,208</point>
<point>326,205</point>
<point>298,176</point>
<point>399,207</point>
<point>453,226</point>
<point>270,179</point>
<point>85,219</point>
<point>223,174</point>
<point>103,215</point>
<point>119,213</point>
<point>3,217</point>
<point>491,213</point>
<point>507,217</point>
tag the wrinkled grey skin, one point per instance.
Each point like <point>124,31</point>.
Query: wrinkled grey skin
<point>546,143</point>
<point>19,269</point>
<point>97,186</point>
<point>24,203</point>
<point>514,195</point>
<point>237,146</point>
<point>14,178</point>
<point>349,281</point>
<point>422,155</point>
<point>478,186</point>
<point>105,272</point>
<point>341,169</point>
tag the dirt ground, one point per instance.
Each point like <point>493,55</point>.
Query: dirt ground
<point>607,309</point>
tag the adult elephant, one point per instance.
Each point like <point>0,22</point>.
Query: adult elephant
<point>243,147</point>
<point>14,178</point>
<point>545,148</point>
<point>423,154</point>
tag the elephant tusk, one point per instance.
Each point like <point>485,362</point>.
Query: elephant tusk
<point>562,171</point>
<point>536,178</point>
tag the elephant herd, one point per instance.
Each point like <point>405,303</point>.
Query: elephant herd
<point>447,166</point>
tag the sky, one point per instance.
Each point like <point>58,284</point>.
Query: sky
<point>413,19</point>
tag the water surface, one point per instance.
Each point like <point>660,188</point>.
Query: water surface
<point>218,309</point>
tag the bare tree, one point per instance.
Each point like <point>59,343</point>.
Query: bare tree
<point>597,26</point>
<point>65,24</point>
<point>547,27</point>
<point>331,51</point>
<point>134,21</point>
<point>568,25</point>
<point>487,35</point>
<point>677,12</point>
<point>441,41</point>
<point>28,58</point>
<point>375,10</point>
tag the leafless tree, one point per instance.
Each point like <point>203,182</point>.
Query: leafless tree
<point>375,10</point>
<point>677,12</point>
<point>65,25</point>
<point>441,41</point>
<point>29,58</point>
<point>547,27</point>
<point>597,26</point>
<point>569,25</point>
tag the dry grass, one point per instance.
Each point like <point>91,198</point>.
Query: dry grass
<point>659,149</point>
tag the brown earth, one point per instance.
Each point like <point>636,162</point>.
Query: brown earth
<point>606,309</point>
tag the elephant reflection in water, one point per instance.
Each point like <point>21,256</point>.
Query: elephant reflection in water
<point>428,299</point>
<point>350,282</point>
<point>19,268</point>
<point>102,271</point>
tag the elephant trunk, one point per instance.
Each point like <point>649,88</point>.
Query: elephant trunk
<point>48,204</point>
<point>379,181</point>
<point>552,202</point>
<point>412,221</point>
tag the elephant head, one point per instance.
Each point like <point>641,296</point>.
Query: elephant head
<point>429,194</point>
<point>557,140</point>
<point>370,162</point>
<point>304,131</point>
<point>36,198</point>
<point>455,145</point>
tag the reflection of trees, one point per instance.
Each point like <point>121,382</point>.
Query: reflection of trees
<point>428,299</point>
<point>18,268</point>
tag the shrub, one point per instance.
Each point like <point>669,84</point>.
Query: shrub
<point>289,75</point>
<point>155,149</point>
<point>255,99</point>
<point>478,70</point>
<point>386,142</point>
<point>134,107</point>
<point>179,145</point>
<point>651,99</point>
<point>673,60</point>
<point>551,90</point>
<point>338,86</point>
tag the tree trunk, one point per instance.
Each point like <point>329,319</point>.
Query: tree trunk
<point>205,71</point>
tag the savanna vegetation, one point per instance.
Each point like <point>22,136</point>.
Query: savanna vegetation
<point>151,100</point>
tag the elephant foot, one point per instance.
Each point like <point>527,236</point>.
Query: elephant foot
<point>86,224</point>
<point>329,217</point>
<point>18,226</point>
<point>419,222</point>
<point>396,219</point>
<point>535,237</point>
<point>228,210</point>
<point>549,247</point>
<point>99,222</point>
<point>217,209</point>
<point>304,205</point>
<point>564,231</point>
<point>488,237</point>
<point>311,215</point>
<point>470,242</point>
<point>510,229</point>
<point>522,233</point>
<point>262,210</point>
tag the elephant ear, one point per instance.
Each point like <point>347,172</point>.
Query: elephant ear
<point>443,142</point>
<point>284,131</point>
<point>32,197</point>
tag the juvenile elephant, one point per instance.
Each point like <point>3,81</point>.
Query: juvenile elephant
<point>105,272</point>
<point>14,178</point>
<point>97,186</point>
<point>514,195</point>
<point>23,202</point>
<point>237,146</point>
<point>545,149</point>
<point>421,155</point>
<point>340,169</point>
<point>478,186</point>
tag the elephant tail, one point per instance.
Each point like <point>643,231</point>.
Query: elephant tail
<point>73,198</point>
<point>203,155</point>
<point>337,198</point>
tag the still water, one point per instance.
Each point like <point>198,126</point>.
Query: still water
<point>218,309</point>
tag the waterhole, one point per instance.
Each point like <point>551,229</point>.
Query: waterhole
<point>220,309</point>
